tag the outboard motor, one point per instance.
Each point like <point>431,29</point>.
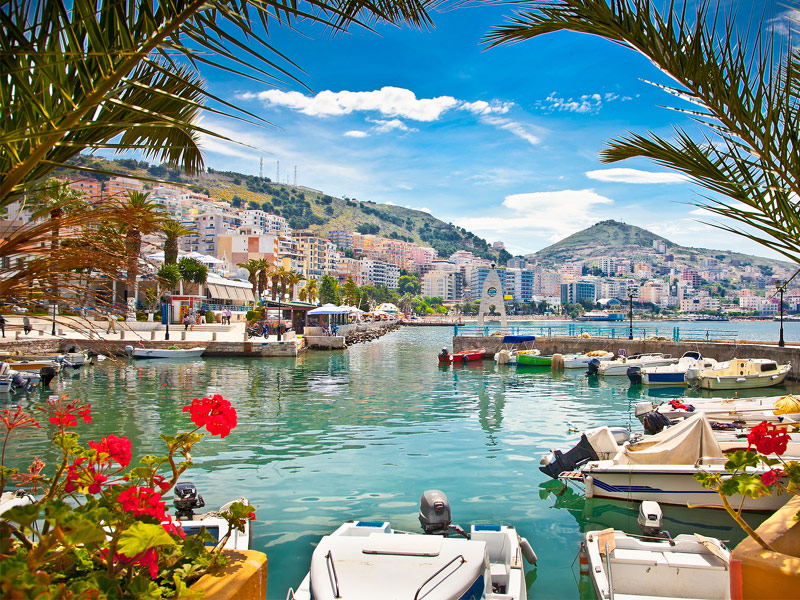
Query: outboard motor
<point>18,382</point>
<point>654,422</point>
<point>635,375</point>
<point>593,366</point>
<point>186,499</point>
<point>434,514</point>
<point>569,460</point>
<point>47,374</point>
<point>129,351</point>
<point>650,520</point>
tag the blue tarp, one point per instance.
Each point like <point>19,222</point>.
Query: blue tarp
<point>518,339</point>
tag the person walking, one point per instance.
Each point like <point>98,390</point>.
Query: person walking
<point>186,321</point>
<point>112,324</point>
<point>26,324</point>
<point>3,325</point>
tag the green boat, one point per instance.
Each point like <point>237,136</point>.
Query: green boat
<point>533,358</point>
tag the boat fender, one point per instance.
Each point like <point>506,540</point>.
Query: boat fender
<point>465,358</point>
<point>588,483</point>
<point>527,550</point>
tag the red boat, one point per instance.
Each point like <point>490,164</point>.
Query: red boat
<point>467,355</point>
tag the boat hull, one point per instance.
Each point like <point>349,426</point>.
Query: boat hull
<point>534,360</point>
<point>166,353</point>
<point>736,382</point>
<point>674,378</point>
<point>466,356</point>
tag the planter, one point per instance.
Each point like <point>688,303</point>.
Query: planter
<point>245,578</point>
<point>767,575</point>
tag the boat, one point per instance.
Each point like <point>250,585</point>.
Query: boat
<point>741,374</point>
<point>186,500</point>
<point>365,560</point>
<point>674,374</point>
<point>660,468</point>
<point>465,356</point>
<point>165,352</point>
<point>68,359</point>
<point>601,315</point>
<point>741,411</point>
<point>510,346</point>
<point>639,567</point>
<point>622,363</point>
<point>35,364</point>
<point>534,358</point>
<point>581,361</point>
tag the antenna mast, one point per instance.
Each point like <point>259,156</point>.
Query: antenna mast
<point>295,176</point>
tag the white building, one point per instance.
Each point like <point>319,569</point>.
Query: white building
<point>266,223</point>
<point>378,272</point>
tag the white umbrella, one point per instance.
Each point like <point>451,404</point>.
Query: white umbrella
<point>330,309</point>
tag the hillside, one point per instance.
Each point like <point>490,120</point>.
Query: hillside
<point>612,238</point>
<point>306,208</point>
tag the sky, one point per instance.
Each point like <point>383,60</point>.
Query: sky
<point>503,142</point>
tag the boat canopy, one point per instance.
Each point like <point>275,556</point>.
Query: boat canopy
<point>518,339</point>
<point>681,444</point>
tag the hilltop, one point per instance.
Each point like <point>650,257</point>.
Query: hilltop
<point>615,239</point>
<point>306,208</point>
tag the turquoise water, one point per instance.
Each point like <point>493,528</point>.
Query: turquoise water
<point>360,434</point>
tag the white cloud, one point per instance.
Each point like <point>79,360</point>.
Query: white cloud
<point>389,101</point>
<point>425,210</point>
<point>635,176</point>
<point>786,22</point>
<point>356,134</point>
<point>518,129</point>
<point>482,107</point>
<point>553,215</point>
<point>587,103</point>
<point>385,126</point>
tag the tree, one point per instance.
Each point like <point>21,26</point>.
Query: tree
<point>352,295</point>
<point>136,216</point>
<point>741,92</point>
<point>173,230</point>
<point>292,279</point>
<point>310,290</point>
<point>408,284</point>
<point>193,271</point>
<point>252,267</point>
<point>328,290</point>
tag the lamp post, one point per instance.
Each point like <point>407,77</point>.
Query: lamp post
<point>631,294</point>
<point>169,306</point>
<point>781,285</point>
<point>55,308</point>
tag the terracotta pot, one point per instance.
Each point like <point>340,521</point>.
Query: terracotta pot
<point>245,578</point>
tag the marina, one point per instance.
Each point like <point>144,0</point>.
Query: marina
<point>358,434</point>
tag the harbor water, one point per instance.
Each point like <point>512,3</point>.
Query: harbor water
<point>360,434</point>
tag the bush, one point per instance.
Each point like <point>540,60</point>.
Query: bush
<point>211,317</point>
<point>254,315</point>
<point>141,315</point>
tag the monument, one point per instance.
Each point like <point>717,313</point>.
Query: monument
<point>492,297</point>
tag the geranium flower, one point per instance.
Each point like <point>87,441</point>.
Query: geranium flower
<point>65,413</point>
<point>215,414</point>
<point>17,419</point>
<point>771,477</point>
<point>768,439</point>
<point>83,476</point>
<point>113,448</point>
<point>174,528</point>
<point>143,501</point>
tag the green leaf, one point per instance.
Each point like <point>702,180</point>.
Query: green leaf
<point>183,592</point>
<point>23,515</point>
<point>143,536</point>
<point>737,461</point>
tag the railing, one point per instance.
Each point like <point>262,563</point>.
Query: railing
<point>676,334</point>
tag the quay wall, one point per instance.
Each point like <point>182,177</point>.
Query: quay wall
<point>718,350</point>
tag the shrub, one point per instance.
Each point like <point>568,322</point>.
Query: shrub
<point>211,317</point>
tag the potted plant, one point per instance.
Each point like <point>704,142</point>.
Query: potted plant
<point>97,527</point>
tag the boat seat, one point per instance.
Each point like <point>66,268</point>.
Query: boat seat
<point>499,573</point>
<point>692,560</point>
<point>638,557</point>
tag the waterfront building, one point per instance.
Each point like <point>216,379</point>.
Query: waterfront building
<point>266,223</point>
<point>524,286</point>
<point>475,275</point>
<point>652,291</point>
<point>547,283</point>
<point>209,227</point>
<point>238,249</point>
<point>446,284</point>
<point>315,254</point>
<point>574,291</point>
<point>343,238</point>
<point>288,250</point>
<point>378,272</point>
<point>347,267</point>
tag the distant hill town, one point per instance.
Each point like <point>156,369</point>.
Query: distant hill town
<point>237,218</point>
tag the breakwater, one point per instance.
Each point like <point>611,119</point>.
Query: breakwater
<point>718,350</point>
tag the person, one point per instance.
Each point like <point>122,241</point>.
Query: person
<point>186,321</point>
<point>228,315</point>
<point>26,324</point>
<point>112,324</point>
<point>444,354</point>
<point>3,325</point>
<point>202,318</point>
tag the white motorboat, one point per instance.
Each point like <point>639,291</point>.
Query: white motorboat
<point>741,374</point>
<point>674,374</point>
<point>186,500</point>
<point>134,352</point>
<point>620,365</point>
<point>660,467</point>
<point>777,409</point>
<point>365,560</point>
<point>581,361</point>
<point>510,346</point>
<point>655,565</point>
<point>14,381</point>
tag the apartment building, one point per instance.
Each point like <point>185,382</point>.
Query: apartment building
<point>317,254</point>
<point>378,272</point>
<point>342,238</point>
<point>443,284</point>
<point>574,291</point>
<point>238,249</point>
<point>266,223</point>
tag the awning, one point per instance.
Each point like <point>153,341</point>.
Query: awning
<point>216,291</point>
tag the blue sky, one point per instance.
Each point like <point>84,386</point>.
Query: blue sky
<point>503,142</point>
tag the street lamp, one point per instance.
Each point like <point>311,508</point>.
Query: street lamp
<point>781,286</point>
<point>631,294</point>
<point>169,305</point>
<point>55,308</point>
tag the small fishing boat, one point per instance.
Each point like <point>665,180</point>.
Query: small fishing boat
<point>165,352</point>
<point>465,356</point>
<point>620,365</point>
<point>365,560</point>
<point>186,500</point>
<point>511,345</point>
<point>741,411</point>
<point>674,374</point>
<point>581,361</point>
<point>741,374</point>
<point>33,364</point>
<point>635,567</point>
<point>534,358</point>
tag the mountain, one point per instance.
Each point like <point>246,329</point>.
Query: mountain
<point>620,240</point>
<point>306,208</point>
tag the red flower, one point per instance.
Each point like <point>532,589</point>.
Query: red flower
<point>771,477</point>
<point>65,413</point>
<point>80,476</point>
<point>113,448</point>
<point>148,559</point>
<point>251,516</point>
<point>215,413</point>
<point>143,501</point>
<point>64,420</point>
<point>162,482</point>
<point>17,419</point>
<point>768,439</point>
<point>174,528</point>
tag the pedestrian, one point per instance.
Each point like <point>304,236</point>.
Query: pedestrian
<point>112,324</point>
<point>202,318</point>
<point>3,325</point>
<point>26,324</point>
<point>186,321</point>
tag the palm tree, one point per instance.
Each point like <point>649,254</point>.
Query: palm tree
<point>136,216</point>
<point>253,267</point>
<point>173,230</point>
<point>276,277</point>
<point>310,290</point>
<point>742,93</point>
<point>302,295</point>
<point>265,273</point>
<point>292,279</point>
